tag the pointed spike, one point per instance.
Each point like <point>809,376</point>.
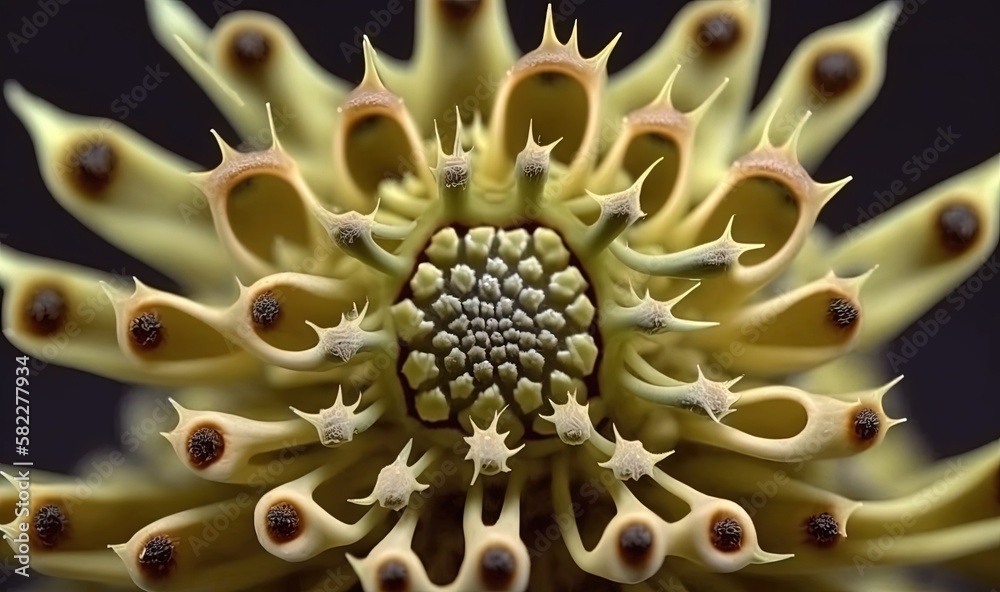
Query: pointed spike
<point>371,78</point>
<point>549,38</point>
<point>227,151</point>
<point>275,144</point>
<point>574,42</point>
<point>457,148</point>
<point>765,137</point>
<point>791,144</point>
<point>600,61</point>
<point>663,98</point>
<point>698,113</point>
<point>826,191</point>
<point>618,211</point>
<point>209,73</point>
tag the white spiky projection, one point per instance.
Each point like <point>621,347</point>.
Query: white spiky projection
<point>584,336</point>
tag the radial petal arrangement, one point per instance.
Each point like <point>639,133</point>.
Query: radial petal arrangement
<point>586,336</point>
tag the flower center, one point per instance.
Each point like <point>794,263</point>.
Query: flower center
<point>495,318</point>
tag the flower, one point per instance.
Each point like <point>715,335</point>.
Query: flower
<point>614,276</point>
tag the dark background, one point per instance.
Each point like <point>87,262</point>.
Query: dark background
<point>942,71</point>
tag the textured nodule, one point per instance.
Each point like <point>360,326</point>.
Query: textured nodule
<point>727,535</point>
<point>635,544</point>
<point>504,316</point>
<point>92,164</point>
<point>842,312</point>
<point>866,424</point>
<point>146,330</point>
<point>823,529</point>
<point>265,309</point>
<point>49,524</point>
<point>958,227</point>
<point>46,311</point>
<point>393,577</point>
<point>836,72</point>
<point>156,558</point>
<point>718,33</point>
<point>283,522</point>
<point>205,446</point>
<point>497,568</point>
<point>250,48</point>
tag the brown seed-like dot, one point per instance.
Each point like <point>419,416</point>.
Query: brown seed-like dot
<point>157,556</point>
<point>718,33</point>
<point>497,568</point>
<point>835,72</point>
<point>635,543</point>
<point>842,312</point>
<point>205,446</point>
<point>265,309</point>
<point>92,164</point>
<point>50,524</point>
<point>251,48</point>
<point>866,424</point>
<point>823,529</point>
<point>958,226</point>
<point>283,521</point>
<point>47,311</point>
<point>146,330</point>
<point>458,10</point>
<point>393,577</point>
<point>727,535</point>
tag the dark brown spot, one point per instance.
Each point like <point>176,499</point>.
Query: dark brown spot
<point>156,558</point>
<point>727,535</point>
<point>718,33</point>
<point>146,330</point>
<point>866,424</point>
<point>958,227</point>
<point>835,72</point>
<point>92,165</point>
<point>393,577</point>
<point>822,529</point>
<point>497,568</point>
<point>459,10</point>
<point>47,311</point>
<point>842,312</point>
<point>635,544</point>
<point>50,524</point>
<point>251,48</point>
<point>283,522</point>
<point>265,309</point>
<point>205,446</point>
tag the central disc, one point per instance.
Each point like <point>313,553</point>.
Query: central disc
<point>495,318</point>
